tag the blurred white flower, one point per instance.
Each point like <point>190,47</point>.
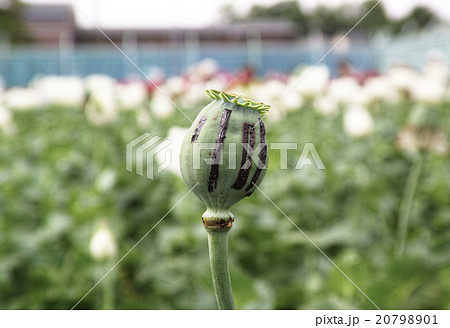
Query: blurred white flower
<point>105,180</point>
<point>380,88</point>
<point>99,81</point>
<point>176,136</point>
<point>131,95</point>
<point>276,114</point>
<point>326,105</point>
<point>156,74</point>
<point>439,143</point>
<point>412,139</point>
<point>216,82</point>
<point>427,90</point>
<point>61,90</point>
<point>143,118</point>
<point>436,68</point>
<point>342,43</point>
<point>407,140</point>
<point>195,94</point>
<point>345,90</point>
<point>204,69</point>
<point>269,92</point>
<point>21,99</point>
<point>292,101</point>
<point>161,106</point>
<point>403,78</point>
<point>103,245</point>
<point>5,116</point>
<point>241,89</point>
<point>101,107</point>
<point>173,87</point>
<point>311,81</point>
<point>357,121</point>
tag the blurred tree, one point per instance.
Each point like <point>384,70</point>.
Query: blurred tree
<point>376,20</point>
<point>289,10</point>
<point>417,19</point>
<point>422,16</point>
<point>11,25</point>
<point>228,13</point>
<point>332,20</point>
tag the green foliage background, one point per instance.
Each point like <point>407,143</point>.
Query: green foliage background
<point>50,205</point>
<point>338,19</point>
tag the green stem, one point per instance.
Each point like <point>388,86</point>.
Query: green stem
<point>406,204</point>
<point>108,291</point>
<point>218,249</point>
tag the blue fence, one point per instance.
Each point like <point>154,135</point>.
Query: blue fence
<point>20,65</point>
<point>413,48</point>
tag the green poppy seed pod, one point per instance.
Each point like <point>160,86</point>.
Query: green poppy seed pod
<point>224,154</point>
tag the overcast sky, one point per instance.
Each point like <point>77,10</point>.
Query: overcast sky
<point>196,13</point>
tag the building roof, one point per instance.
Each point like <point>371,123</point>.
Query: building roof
<point>47,22</point>
<point>266,30</point>
<point>48,13</point>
